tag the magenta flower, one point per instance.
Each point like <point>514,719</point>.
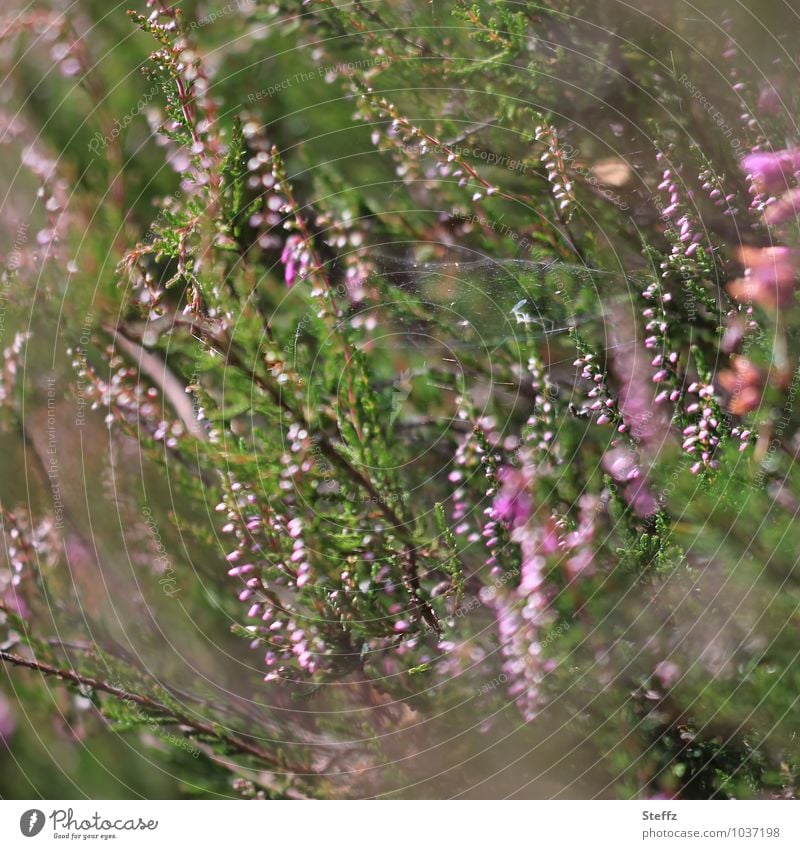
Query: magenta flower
<point>296,259</point>
<point>513,505</point>
<point>772,171</point>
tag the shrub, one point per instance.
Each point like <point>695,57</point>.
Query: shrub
<point>444,355</point>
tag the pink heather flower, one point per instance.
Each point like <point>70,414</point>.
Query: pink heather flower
<point>519,626</point>
<point>580,563</point>
<point>769,100</point>
<point>744,383</point>
<point>667,673</point>
<point>641,499</point>
<point>734,334</point>
<point>770,276</point>
<point>631,366</point>
<point>622,465</point>
<point>787,208</point>
<point>7,722</point>
<point>513,504</point>
<point>771,171</point>
<point>296,259</point>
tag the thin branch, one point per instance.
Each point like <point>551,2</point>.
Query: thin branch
<point>231,739</point>
<point>232,358</point>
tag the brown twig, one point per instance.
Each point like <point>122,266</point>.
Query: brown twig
<point>230,739</point>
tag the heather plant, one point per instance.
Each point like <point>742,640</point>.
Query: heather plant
<point>399,399</point>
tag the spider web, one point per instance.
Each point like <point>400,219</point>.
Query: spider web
<point>486,303</point>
